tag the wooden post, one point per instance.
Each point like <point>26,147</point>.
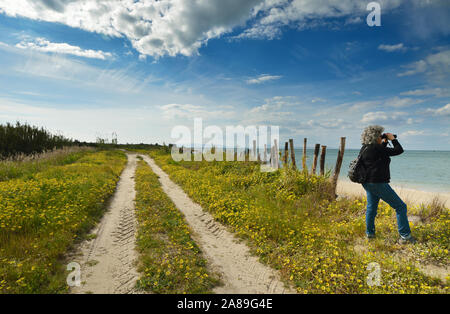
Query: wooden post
<point>304,168</point>
<point>291,144</point>
<point>316,155</point>
<point>339,159</point>
<point>286,148</point>
<point>322,160</point>
<point>254,154</point>
<point>272,157</point>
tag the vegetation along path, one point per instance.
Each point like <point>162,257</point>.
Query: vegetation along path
<point>241,272</point>
<point>108,261</point>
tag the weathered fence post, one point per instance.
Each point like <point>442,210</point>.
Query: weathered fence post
<point>322,160</point>
<point>316,155</point>
<point>286,148</point>
<point>272,157</point>
<point>304,168</point>
<point>291,144</point>
<point>255,153</point>
<point>337,169</point>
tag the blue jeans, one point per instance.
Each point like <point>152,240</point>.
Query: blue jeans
<point>377,191</point>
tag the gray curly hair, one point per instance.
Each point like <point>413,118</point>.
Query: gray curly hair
<point>371,134</point>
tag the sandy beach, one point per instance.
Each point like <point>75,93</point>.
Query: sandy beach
<point>409,196</point>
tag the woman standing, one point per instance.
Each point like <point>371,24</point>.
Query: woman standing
<point>375,156</point>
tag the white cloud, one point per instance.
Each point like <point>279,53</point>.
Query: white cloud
<point>261,31</point>
<point>277,110</point>
<point>415,68</point>
<point>443,111</point>
<point>382,117</point>
<point>276,14</point>
<point>354,20</point>
<point>172,27</point>
<point>188,111</point>
<point>398,102</point>
<point>314,127</point>
<point>292,115</point>
<point>61,68</point>
<point>263,78</point>
<point>154,28</point>
<point>437,92</point>
<point>263,108</point>
<point>41,44</point>
<point>412,133</point>
<point>436,65</point>
<point>275,104</point>
<point>372,117</point>
<point>273,15</point>
<point>330,123</point>
<point>392,48</point>
<point>318,99</point>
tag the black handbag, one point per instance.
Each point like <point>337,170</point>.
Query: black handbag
<point>357,171</point>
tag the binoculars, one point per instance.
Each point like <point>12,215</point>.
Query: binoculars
<point>384,136</point>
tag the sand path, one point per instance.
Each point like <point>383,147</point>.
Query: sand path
<point>241,272</point>
<point>108,261</point>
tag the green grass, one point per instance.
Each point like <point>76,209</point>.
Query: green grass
<point>317,243</point>
<point>170,261</point>
<point>43,214</point>
<point>26,166</point>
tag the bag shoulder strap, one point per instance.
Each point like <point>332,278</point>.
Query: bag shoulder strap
<point>362,151</point>
<point>360,157</point>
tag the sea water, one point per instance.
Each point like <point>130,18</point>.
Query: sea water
<point>415,169</point>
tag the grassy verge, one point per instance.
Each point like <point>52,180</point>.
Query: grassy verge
<point>25,166</point>
<point>170,261</point>
<point>317,244</point>
<point>431,227</point>
<point>44,214</point>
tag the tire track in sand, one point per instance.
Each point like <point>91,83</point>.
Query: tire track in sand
<point>241,272</point>
<point>108,261</point>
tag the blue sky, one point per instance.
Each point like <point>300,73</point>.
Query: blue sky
<point>314,68</point>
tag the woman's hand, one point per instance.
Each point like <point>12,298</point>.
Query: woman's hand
<point>390,136</point>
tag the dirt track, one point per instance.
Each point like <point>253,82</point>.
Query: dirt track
<point>108,261</point>
<point>241,272</point>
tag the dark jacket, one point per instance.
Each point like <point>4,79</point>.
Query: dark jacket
<point>376,160</point>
